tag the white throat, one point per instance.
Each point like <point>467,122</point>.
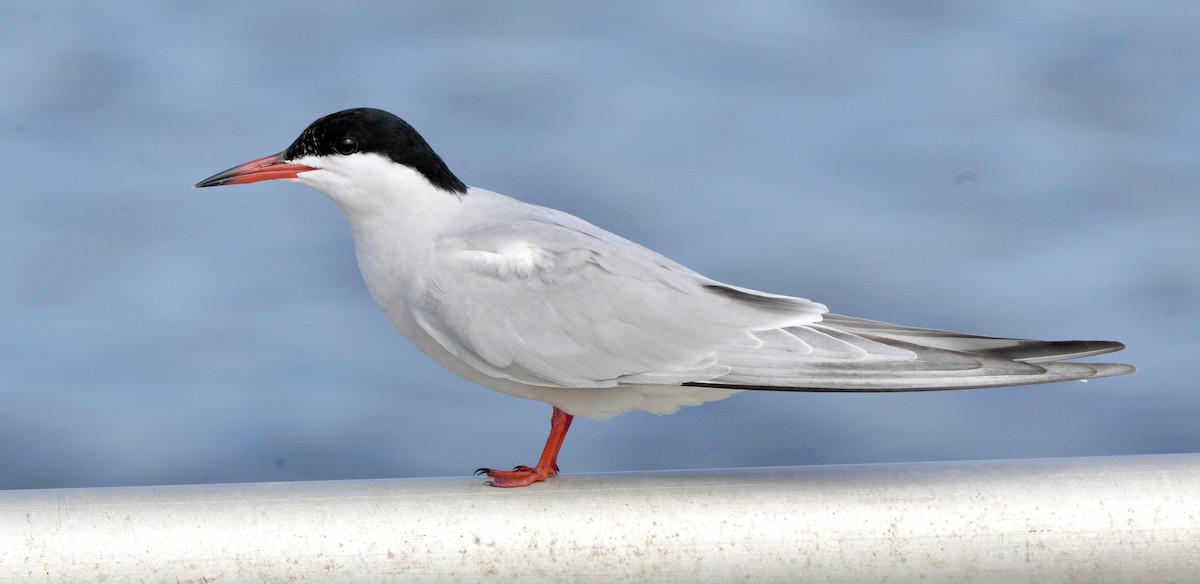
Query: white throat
<point>395,217</point>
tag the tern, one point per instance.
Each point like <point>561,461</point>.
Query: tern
<point>540,304</point>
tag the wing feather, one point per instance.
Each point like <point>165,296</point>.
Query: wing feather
<point>550,304</point>
<point>545,299</point>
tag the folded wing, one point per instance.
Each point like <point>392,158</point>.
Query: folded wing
<point>549,300</point>
<point>552,301</point>
<point>875,356</point>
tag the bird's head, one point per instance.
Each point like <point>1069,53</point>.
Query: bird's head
<point>353,156</point>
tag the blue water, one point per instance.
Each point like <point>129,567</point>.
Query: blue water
<point>1016,169</point>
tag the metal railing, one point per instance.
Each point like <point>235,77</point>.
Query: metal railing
<point>1111,519</point>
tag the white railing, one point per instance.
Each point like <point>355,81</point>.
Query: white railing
<point>1113,519</point>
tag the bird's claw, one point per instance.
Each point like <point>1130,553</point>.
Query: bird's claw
<point>519,476</point>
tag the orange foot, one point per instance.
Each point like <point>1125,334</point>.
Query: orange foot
<point>547,465</point>
<point>521,476</point>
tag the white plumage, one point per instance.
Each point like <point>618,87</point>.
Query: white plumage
<point>540,304</point>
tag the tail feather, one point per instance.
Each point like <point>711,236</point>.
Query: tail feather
<point>1027,350</point>
<point>849,354</point>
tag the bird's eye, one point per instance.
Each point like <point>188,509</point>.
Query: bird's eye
<point>346,146</point>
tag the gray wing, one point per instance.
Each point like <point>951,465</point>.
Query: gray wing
<point>550,300</point>
<point>850,354</point>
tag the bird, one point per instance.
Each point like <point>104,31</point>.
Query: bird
<point>539,304</point>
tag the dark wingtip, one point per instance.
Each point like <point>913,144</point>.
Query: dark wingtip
<point>1111,369</point>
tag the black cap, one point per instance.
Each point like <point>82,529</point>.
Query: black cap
<point>372,130</point>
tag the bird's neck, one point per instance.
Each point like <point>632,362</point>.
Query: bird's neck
<point>394,242</point>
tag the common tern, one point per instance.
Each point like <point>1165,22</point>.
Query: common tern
<point>540,304</point>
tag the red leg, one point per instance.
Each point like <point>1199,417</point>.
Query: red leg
<point>547,465</point>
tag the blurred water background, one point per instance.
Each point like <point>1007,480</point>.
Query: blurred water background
<point>1010,168</point>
